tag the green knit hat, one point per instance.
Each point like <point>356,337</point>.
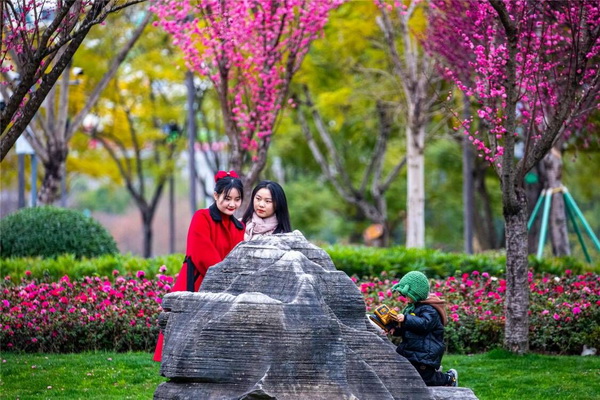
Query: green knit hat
<point>414,285</point>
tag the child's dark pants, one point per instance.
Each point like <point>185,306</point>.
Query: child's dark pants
<point>430,375</point>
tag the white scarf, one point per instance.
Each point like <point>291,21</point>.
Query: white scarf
<point>260,226</point>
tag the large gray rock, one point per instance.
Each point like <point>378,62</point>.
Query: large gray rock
<point>276,320</point>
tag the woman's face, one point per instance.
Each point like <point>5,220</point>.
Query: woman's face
<point>228,203</point>
<point>263,203</point>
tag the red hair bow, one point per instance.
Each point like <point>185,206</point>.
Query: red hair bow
<point>224,174</point>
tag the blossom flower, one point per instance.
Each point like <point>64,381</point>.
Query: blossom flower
<point>132,306</point>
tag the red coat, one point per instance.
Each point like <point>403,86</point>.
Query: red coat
<point>211,236</point>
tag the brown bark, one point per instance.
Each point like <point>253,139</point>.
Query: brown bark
<point>468,185</point>
<point>558,218</point>
<point>147,216</point>
<point>517,288</point>
<point>533,193</point>
<point>485,229</point>
<point>514,204</point>
<point>53,173</point>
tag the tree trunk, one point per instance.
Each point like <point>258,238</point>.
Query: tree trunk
<point>147,217</point>
<point>468,185</point>
<point>191,131</point>
<point>385,237</point>
<point>415,73</point>
<point>517,287</point>
<point>53,174</point>
<point>484,225</point>
<point>415,199</point>
<point>558,219</point>
<point>534,184</point>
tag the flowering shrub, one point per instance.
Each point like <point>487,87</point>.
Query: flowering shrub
<point>87,314</point>
<point>564,310</point>
<point>120,313</point>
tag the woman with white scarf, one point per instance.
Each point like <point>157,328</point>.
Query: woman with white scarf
<point>268,213</point>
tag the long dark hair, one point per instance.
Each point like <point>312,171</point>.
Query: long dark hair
<point>279,202</point>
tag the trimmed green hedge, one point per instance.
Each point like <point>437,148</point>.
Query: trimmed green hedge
<point>52,269</point>
<point>354,260</point>
<point>395,261</point>
<point>50,232</point>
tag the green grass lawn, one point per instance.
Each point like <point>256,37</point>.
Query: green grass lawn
<point>501,375</point>
<point>494,375</point>
<point>78,376</point>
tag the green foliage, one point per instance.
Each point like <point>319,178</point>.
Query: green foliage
<point>369,261</point>
<point>499,374</point>
<point>357,261</point>
<point>557,265</point>
<point>315,215</point>
<point>50,231</point>
<point>108,375</point>
<point>565,314</point>
<point>106,198</point>
<point>92,375</point>
<point>473,335</point>
<point>364,261</point>
<point>444,203</point>
<point>52,269</point>
<point>349,48</point>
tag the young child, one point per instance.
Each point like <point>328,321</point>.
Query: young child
<point>421,326</point>
<point>268,213</point>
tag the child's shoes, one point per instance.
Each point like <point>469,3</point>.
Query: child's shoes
<point>453,376</point>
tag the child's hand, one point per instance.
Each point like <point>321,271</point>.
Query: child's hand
<point>399,317</point>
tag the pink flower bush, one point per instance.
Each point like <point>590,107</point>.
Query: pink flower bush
<point>88,314</point>
<point>99,314</point>
<point>564,310</point>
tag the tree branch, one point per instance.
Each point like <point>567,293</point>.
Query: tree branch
<point>112,70</point>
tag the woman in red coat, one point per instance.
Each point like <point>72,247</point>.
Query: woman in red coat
<point>213,233</point>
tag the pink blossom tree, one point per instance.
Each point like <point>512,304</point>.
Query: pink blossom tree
<point>534,69</point>
<point>39,39</point>
<point>250,50</point>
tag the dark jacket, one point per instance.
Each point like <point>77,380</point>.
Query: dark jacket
<point>423,333</point>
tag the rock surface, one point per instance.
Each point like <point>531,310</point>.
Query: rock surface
<point>276,320</point>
